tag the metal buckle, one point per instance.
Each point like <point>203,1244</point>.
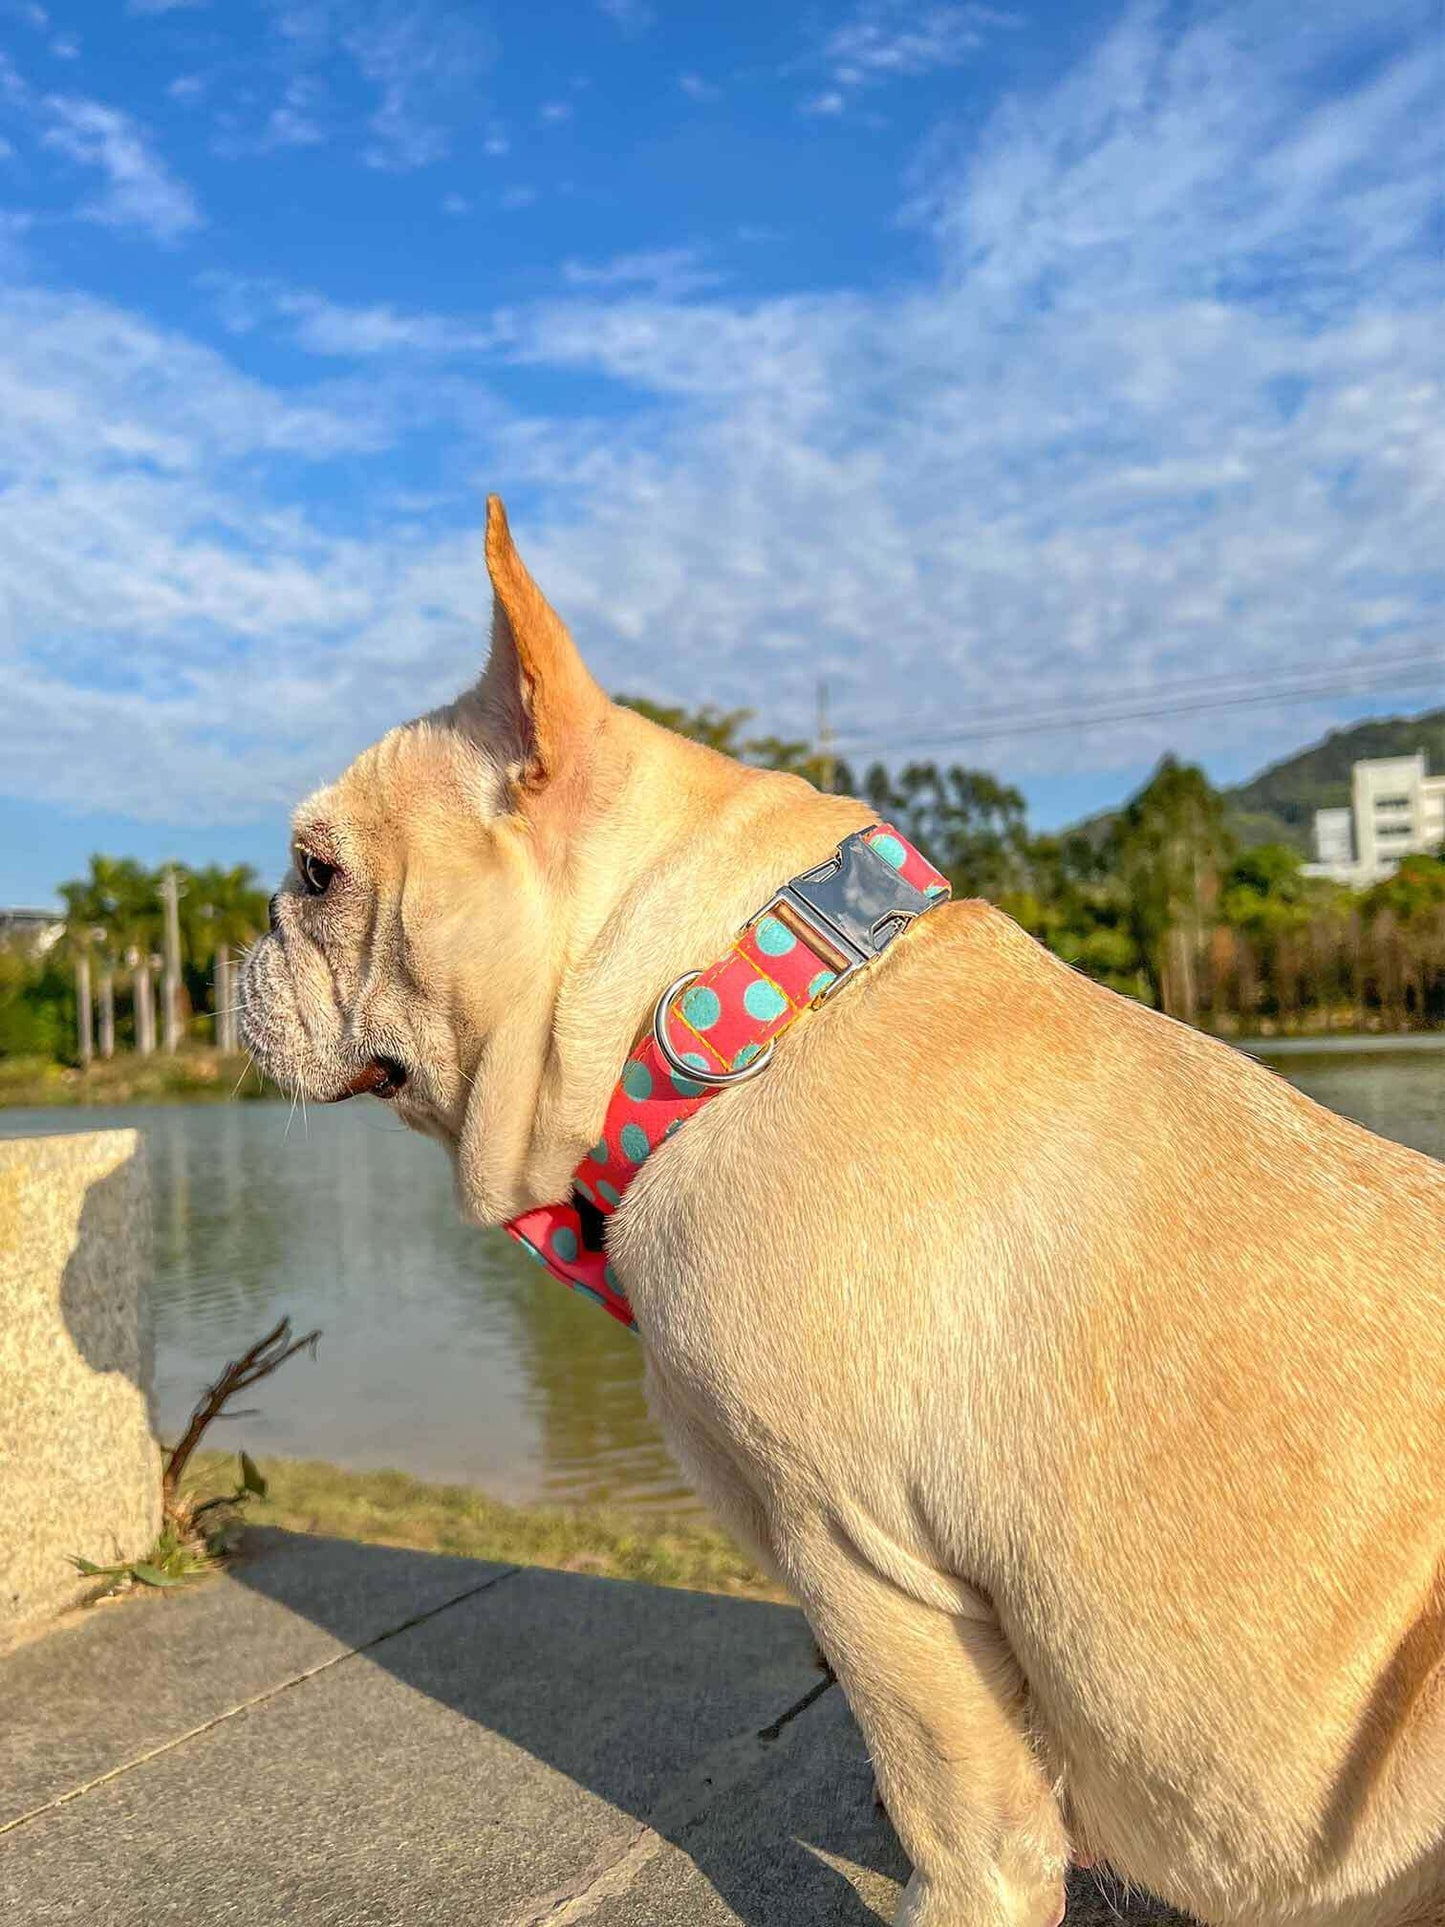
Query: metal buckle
<point>714,1080</point>
<point>849,908</point>
<point>852,906</point>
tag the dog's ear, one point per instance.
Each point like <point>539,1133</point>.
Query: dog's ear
<point>536,692</point>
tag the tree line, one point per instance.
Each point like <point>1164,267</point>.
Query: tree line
<point>1160,901</point>
<point>111,951</point>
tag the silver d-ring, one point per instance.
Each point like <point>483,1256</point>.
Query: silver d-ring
<point>714,1080</point>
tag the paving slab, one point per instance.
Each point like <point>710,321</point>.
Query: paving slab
<point>473,1744</point>
<point>115,1681</point>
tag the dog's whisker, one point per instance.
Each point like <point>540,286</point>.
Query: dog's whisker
<point>246,1070</point>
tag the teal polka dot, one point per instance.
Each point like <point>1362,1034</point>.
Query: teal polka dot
<point>891,850</point>
<point>775,939</point>
<point>564,1243</point>
<point>701,1008</point>
<point>614,1283</point>
<point>599,1151</point>
<point>581,1184</point>
<point>821,982</point>
<point>764,1001</point>
<point>608,1193</point>
<point>586,1291</point>
<point>637,1080</point>
<point>684,1086</point>
<point>634,1143</point>
<point>746,1055</point>
<point>675,1126</point>
<point>936,890</point>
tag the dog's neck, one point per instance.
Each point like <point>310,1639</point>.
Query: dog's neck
<point>640,889</point>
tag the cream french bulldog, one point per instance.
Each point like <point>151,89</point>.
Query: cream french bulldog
<point>1084,1381</point>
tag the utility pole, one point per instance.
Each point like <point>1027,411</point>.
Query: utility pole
<point>827,763</point>
<point>171,981</point>
<point>84,1011</point>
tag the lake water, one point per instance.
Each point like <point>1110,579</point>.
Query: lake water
<point>445,1351</point>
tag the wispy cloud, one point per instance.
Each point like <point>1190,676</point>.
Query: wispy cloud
<point>140,190</point>
<point>696,88</point>
<point>162,6</point>
<point>669,273</point>
<point>424,60</point>
<point>885,40</point>
<point>632,16</point>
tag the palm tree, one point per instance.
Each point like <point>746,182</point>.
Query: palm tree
<point>115,914</point>
<point>222,912</point>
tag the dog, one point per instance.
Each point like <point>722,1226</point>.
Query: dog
<point>1083,1381</point>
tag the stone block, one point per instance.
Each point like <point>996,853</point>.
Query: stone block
<point>79,1463</point>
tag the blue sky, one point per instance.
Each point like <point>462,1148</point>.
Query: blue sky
<point>1066,361</point>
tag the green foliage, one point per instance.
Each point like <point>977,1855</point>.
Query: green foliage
<point>1192,899</point>
<point>199,1529</point>
<point>110,915</point>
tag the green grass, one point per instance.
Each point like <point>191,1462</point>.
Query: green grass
<point>194,1073</point>
<point>393,1509</point>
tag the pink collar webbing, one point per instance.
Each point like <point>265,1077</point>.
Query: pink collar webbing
<point>805,943</point>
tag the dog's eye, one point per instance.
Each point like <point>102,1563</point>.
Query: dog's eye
<point>315,875</point>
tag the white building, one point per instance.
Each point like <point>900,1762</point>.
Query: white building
<point>32,930</point>
<point>1395,810</point>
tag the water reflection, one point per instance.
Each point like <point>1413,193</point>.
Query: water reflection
<point>446,1352</point>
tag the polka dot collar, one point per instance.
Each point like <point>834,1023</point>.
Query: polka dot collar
<point>804,944</point>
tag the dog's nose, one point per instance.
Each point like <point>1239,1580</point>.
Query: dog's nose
<point>273,913</point>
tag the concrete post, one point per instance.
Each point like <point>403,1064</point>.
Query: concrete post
<point>79,1465</point>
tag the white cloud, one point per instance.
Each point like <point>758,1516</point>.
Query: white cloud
<point>186,87</point>
<point>696,88</point>
<point>425,60</point>
<point>140,190</point>
<point>294,121</point>
<point>632,16</point>
<point>886,40</point>
<point>456,205</point>
<point>1170,401</point>
<point>670,273</point>
<point>553,112</point>
<point>66,46</point>
<point>514,199</point>
<point>161,6</point>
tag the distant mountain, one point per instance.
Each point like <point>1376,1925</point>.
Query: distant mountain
<point>1278,805</point>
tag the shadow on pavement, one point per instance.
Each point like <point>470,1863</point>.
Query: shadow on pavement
<point>681,1709</point>
<point>698,1715</point>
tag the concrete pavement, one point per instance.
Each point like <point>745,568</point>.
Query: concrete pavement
<point>335,1734</point>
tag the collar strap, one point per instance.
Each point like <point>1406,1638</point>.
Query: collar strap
<point>717,1027</point>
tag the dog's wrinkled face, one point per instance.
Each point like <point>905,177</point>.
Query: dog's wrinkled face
<point>413,946</point>
<point>359,986</point>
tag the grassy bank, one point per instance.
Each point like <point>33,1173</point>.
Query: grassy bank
<point>393,1509</point>
<point>195,1073</point>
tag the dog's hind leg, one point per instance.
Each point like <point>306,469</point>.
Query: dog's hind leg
<point>942,1706</point>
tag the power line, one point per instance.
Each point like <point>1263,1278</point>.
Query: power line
<point>1023,719</point>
